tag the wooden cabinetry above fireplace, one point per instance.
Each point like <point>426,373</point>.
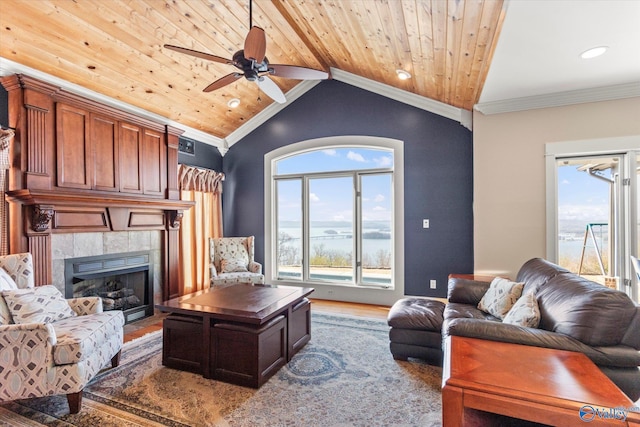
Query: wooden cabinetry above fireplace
<point>78,165</point>
<point>99,152</point>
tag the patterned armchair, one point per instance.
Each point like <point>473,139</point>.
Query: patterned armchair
<point>49,345</point>
<point>232,261</point>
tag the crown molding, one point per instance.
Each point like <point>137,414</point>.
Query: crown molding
<point>409,98</point>
<point>296,92</point>
<point>8,67</point>
<point>560,99</point>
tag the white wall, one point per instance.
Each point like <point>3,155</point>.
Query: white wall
<point>509,174</point>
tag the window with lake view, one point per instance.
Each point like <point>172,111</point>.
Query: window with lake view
<point>333,216</point>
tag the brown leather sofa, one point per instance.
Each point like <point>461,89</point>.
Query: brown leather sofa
<point>575,315</point>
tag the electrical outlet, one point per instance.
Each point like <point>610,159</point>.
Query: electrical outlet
<point>425,223</point>
<point>432,284</point>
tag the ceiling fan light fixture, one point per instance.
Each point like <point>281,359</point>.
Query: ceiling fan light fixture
<point>403,75</point>
<point>233,103</point>
<point>593,52</point>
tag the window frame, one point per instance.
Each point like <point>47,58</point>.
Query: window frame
<point>330,290</point>
<point>628,148</point>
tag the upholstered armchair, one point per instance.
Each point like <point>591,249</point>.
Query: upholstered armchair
<point>49,345</point>
<point>232,261</point>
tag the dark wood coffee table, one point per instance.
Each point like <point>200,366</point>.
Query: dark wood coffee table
<point>482,378</point>
<point>240,334</point>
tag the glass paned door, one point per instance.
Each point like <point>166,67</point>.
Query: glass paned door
<point>588,216</point>
<point>289,249</point>
<point>331,229</point>
<point>377,229</point>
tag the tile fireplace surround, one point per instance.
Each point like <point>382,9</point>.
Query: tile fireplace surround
<point>74,245</point>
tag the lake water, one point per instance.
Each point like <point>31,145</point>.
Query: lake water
<point>339,239</point>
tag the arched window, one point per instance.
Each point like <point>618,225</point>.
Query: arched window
<point>333,206</point>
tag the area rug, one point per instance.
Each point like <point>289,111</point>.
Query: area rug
<point>345,376</point>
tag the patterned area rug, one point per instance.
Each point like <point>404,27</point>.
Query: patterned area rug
<point>345,376</point>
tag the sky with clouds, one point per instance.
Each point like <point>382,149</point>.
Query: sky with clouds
<point>581,196</point>
<point>332,198</point>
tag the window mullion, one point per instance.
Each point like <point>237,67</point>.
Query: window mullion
<point>306,229</point>
<point>357,220</point>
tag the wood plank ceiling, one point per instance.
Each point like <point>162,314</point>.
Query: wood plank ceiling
<point>114,47</point>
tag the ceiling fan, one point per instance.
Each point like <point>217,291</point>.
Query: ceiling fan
<point>254,65</point>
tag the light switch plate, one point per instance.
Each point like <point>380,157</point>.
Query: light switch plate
<point>425,223</point>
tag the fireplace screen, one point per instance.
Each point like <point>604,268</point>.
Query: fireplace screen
<point>123,282</point>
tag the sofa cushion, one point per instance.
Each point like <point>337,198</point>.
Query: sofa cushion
<point>585,310</point>
<point>465,311</point>
<point>42,304</point>
<point>235,278</point>
<point>79,337</point>
<point>632,338</point>
<point>20,268</point>
<point>416,313</point>
<point>232,249</point>
<point>500,297</point>
<point>525,312</point>
<point>6,284</point>
<point>466,291</point>
<point>536,272</point>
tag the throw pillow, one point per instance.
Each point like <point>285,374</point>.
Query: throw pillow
<point>6,284</point>
<point>500,297</point>
<point>233,266</point>
<point>42,304</point>
<point>232,249</point>
<point>525,312</point>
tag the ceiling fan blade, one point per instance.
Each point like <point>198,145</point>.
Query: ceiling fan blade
<point>255,45</point>
<point>299,73</point>
<point>202,55</point>
<point>222,81</point>
<point>271,89</point>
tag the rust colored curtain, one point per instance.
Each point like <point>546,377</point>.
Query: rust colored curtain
<point>201,222</point>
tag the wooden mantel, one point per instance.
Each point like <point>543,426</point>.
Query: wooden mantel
<point>81,166</point>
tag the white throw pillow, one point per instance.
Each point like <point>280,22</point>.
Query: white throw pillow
<point>500,297</point>
<point>6,284</point>
<point>233,266</point>
<point>525,312</point>
<point>42,304</point>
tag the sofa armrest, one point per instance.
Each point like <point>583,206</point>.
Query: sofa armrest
<point>466,291</point>
<point>86,305</point>
<point>503,332</point>
<point>212,270</point>
<point>13,336</point>
<point>255,267</point>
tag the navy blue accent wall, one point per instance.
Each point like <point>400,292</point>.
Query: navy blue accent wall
<point>204,155</point>
<point>438,174</point>
<point>438,177</point>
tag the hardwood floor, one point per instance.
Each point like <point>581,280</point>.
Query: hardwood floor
<point>351,308</point>
<point>145,326</point>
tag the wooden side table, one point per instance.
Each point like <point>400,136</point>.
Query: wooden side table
<point>483,378</point>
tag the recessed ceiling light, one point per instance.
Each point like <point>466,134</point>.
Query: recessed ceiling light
<point>403,75</point>
<point>593,52</point>
<point>233,103</point>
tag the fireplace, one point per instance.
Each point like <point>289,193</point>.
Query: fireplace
<point>123,281</point>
